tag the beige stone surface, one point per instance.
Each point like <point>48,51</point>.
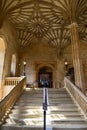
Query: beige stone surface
<point>9,37</point>
<point>78,96</point>
<point>41,54</point>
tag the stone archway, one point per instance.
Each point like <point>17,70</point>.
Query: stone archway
<point>45,77</point>
<point>44,67</point>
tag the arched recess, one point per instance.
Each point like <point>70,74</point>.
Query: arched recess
<point>2,56</point>
<point>45,77</point>
<point>13,65</point>
<point>49,71</point>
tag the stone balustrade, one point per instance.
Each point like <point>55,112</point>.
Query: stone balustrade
<point>12,80</point>
<point>7,102</point>
<point>77,95</point>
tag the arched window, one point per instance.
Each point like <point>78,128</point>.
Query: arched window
<point>2,55</point>
<point>13,65</point>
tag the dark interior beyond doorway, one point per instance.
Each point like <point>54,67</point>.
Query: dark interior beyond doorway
<point>45,77</point>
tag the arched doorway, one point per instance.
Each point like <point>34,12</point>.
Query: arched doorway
<point>45,77</point>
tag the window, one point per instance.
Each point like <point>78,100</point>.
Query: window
<point>13,65</point>
<point>2,55</point>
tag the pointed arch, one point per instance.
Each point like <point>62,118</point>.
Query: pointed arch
<point>2,56</point>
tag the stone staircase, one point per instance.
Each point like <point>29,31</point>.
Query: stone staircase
<point>62,114</point>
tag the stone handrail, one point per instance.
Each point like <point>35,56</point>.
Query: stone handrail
<point>7,102</point>
<point>12,80</point>
<point>78,96</point>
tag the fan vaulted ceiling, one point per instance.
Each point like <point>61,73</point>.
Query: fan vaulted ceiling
<point>45,19</point>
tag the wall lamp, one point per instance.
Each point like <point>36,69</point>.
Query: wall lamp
<point>66,64</point>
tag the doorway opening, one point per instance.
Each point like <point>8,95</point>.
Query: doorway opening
<point>45,77</point>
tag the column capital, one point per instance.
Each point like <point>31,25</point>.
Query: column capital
<point>74,24</point>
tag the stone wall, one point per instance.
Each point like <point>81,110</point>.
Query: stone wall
<point>36,55</point>
<point>9,37</point>
<point>7,33</point>
<point>41,54</point>
<point>83,57</point>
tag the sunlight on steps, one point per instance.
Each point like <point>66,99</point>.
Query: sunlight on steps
<point>62,114</point>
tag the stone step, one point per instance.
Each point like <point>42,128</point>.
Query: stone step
<point>59,96</point>
<point>34,96</point>
<point>63,90</point>
<point>30,94</point>
<point>53,97</point>
<point>62,109</point>
<point>33,106</point>
<point>58,93</point>
<point>38,119</point>
<point>50,104</point>
<point>62,113</point>
<point>28,112</point>
<point>29,98</point>
<point>29,102</point>
<point>51,101</point>
<point>36,111</point>
<point>67,126</point>
<point>58,114</point>
<point>40,122</point>
<point>29,116</point>
<point>63,105</point>
<point>60,103</point>
<point>69,123</point>
<point>13,127</point>
<point>63,98</point>
<point>59,127</point>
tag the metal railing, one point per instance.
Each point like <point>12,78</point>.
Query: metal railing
<point>45,104</point>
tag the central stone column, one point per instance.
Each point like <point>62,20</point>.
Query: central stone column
<point>78,68</point>
<point>60,72</point>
